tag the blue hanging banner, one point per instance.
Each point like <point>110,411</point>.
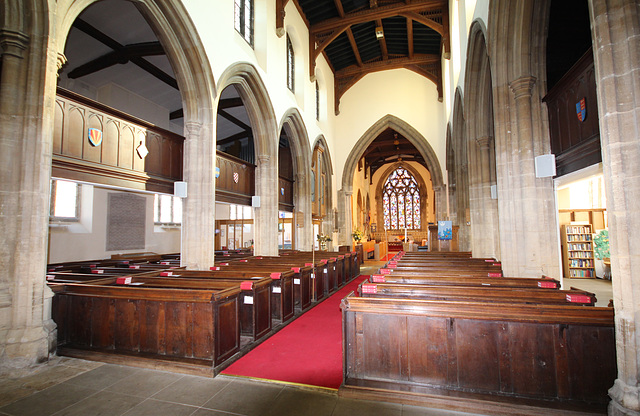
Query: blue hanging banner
<point>444,230</point>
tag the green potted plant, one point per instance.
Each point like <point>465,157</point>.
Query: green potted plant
<point>601,251</point>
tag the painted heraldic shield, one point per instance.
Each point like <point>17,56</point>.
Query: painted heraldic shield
<point>581,109</point>
<point>95,137</point>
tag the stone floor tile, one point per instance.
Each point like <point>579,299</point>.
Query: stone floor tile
<point>192,390</point>
<point>423,411</point>
<point>49,377</point>
<point>49,401</point>
<point>209,412</point>
<point>103,403</point>
<point>245,397</point>
<point>144,383</point>
<point>294,401</point>
<point>13,395</point>
<point>353,407</point>
<point>151,407</point>
<point>102,377</point>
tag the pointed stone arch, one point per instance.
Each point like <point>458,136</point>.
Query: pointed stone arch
<point>417,139</point>
<point>478,141</point>
<point>293,124</point>
<point>329,222</point>
<point>33,39</point>
<point>255,97</point>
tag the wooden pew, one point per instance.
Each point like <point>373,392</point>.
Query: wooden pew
<point>301,279</point>
<point>490,358</point>
<point>254,297</point>
<point>282,290</point>
<point>465,281</point>
<point>477,294</point>
<point>189,330</point>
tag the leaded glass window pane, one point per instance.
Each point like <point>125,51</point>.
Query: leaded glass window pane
<point>401,201</point>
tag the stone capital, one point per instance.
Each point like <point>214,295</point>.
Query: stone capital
<point>13,43</point>
<point>264,158</point>
<point>521,87</point>
<point>193,128</point>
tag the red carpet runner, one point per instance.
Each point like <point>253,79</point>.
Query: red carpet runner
<point>307,351</point>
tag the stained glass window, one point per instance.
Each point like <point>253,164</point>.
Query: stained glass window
<point>401,201</point>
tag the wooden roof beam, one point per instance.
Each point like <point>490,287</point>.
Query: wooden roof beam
<point>280,5</point>
<point>410,37</point>
<point>354,46</point>
<point>234,120</point>
<point>378,13</point>
<point>383,42</point>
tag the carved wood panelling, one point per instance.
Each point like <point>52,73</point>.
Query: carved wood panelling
<point>227,188</point>
<point>285,194</point>
<point>575,143</point>
<point>115,161</point>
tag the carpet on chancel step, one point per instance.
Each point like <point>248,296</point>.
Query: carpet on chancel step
<point>307,351</point>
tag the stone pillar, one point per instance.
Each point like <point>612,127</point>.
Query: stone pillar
<point>26,328</point>
<point>266,216</point>
<point>344,214</point>
<point>304,235</point>
<point>440,200</point>
<point>485,209</point>
<point>199,208</point>
<point>616,48</point>
<point>528,226</point>
<point>462,198</point>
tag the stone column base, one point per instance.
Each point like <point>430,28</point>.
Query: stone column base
<point>23,348</point>
<point>625,399</point>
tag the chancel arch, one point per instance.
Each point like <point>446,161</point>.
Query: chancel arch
<point>245,79</point>
<point>416,139</point>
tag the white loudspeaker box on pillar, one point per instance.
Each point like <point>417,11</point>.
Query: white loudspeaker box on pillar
<point>255,201</point>
<point>180,189</point>
<point>545,166</point>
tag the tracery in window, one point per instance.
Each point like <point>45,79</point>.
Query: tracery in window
<point>243,19</point>
<point>401,201</point>
<point>290,66</point>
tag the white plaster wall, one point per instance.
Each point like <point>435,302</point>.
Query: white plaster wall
<point>225,47</point>
<point>401,93</point>
<point>88,239</point>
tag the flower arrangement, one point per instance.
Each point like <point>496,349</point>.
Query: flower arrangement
<point>323,238</point>
<point>357,235</point>
<point>601,242</point>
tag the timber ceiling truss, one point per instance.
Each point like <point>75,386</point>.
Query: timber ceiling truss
<point>389,147</point>
<point>358,37</point>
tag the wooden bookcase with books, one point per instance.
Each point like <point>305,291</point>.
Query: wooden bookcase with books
<point>577,248</point>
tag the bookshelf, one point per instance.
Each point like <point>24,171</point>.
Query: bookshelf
<point>577,250</point>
